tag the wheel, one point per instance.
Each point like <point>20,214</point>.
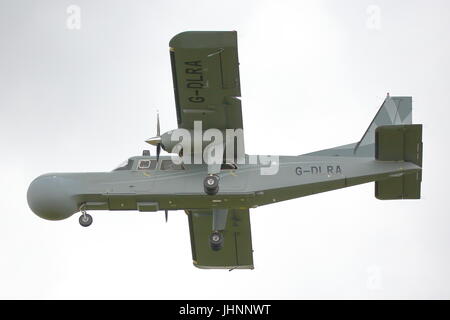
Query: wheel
<point>85,220</point>
<point>211,184</point>
<point>216,240</point>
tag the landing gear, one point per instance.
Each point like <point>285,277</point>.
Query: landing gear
<point>85,219</point>
<point>211,184</point>
<point>216,240</point>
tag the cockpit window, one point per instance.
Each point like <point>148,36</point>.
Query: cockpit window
<point>169,165</point>
<point>147,164</point>
<point>126,165</point>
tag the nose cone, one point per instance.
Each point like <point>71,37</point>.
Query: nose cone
<point>51,197</point>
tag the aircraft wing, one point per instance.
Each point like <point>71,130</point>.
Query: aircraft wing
<point>205,71</point>
<point>237,251</point>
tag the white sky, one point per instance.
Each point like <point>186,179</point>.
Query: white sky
<point>313,75</point>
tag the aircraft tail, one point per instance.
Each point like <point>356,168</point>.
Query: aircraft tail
<point>393,111</point>
<point>391,136</point>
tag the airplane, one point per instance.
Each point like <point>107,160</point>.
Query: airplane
<point>218,195</point>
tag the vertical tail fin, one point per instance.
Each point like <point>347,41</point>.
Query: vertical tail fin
<point>394,111</point>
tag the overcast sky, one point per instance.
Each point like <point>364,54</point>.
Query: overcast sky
<point>74,100</point>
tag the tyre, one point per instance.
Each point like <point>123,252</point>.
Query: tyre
<point>216,240</point>
<point>85,220</point>
<point>211,184</point>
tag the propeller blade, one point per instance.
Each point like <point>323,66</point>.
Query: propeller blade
<point>167,215</point>
<point>158,130</point>
<point>156,141</point>
<point>158,151</point>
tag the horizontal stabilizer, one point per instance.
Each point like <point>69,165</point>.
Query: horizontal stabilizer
<point>399,143</point>
<point>405,186</point>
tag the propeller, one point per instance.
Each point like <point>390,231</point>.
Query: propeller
<point>166,213</point>
<point>156,141</point>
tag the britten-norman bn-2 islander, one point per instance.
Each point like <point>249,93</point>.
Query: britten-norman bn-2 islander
<point>217,196</point>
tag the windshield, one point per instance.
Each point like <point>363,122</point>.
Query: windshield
<point>126,165</point>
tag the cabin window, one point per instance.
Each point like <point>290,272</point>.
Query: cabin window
<point>146,164</point>
<point>169,165</point>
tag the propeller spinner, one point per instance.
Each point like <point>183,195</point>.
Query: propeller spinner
<point>156,141</point>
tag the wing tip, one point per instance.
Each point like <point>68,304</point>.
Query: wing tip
<point>209,267</point>
<point>203,39</point>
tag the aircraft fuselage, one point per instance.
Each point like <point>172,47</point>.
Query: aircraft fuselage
<point>57,196</point>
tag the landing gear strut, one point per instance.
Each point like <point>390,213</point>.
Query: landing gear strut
<point>85,218</point>
<point>216,240</point>
<point>211,184</point>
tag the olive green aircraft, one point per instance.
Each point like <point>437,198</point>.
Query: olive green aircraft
<point>217,196</point>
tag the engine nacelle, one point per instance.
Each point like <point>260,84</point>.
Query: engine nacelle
<point>179,140</point>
